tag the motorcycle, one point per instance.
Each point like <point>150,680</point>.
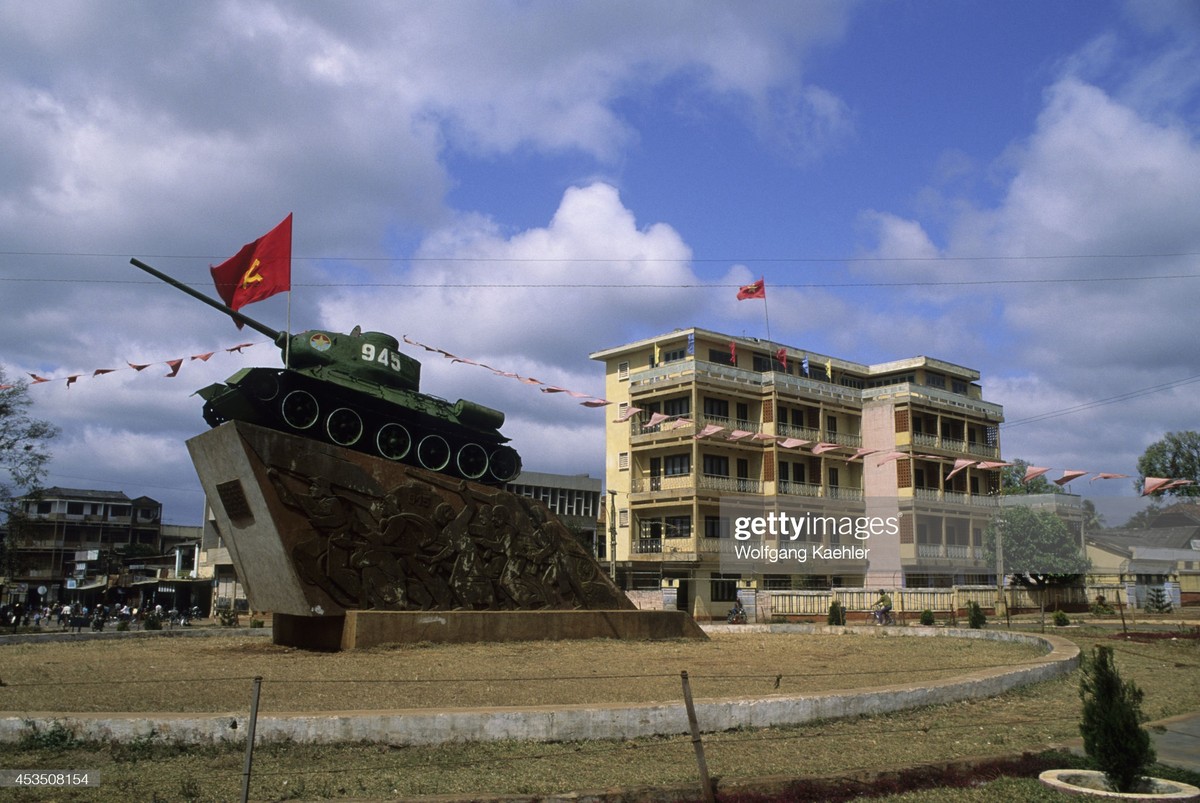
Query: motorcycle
<point>736,616</point>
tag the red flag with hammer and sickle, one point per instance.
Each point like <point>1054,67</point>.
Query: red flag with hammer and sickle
<point>260,270</point>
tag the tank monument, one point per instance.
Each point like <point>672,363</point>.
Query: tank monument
<point>360,511</point>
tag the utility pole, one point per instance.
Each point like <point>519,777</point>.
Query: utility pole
<point>1000,565</point>
<point>612,535</point>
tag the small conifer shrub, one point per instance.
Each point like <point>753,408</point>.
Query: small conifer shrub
<point>837,614</point>
<point>975,616</point>
<point>1113,736</point>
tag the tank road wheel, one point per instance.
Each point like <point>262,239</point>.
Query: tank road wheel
<point>472,461</point>
<point>506,463</point>
<point>344,426</point>
<point>433,452</point>
<point>393,441</point>
<point>263,386</point>
<point>300,410</point>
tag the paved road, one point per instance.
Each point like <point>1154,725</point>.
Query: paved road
<point>1179,744</point>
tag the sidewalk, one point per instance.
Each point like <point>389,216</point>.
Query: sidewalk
<point>1177,741</point>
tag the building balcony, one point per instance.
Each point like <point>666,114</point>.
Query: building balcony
<point>730,424</point>
<point>672,427</point>
<point>954,498</point>
<point>926,441</point>
<point>959,552</point>
<point>936,397</point>
<point>820,491</point>
<point>818,435</point>
<point>688,483</point>
<point>735,485</point>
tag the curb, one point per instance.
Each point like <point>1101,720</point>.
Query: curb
<point>576,722</point>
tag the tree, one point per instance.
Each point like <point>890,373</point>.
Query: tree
<point>1039,551</point>
<point>1113,735</point>
<point>1177,457</point>
<point>1011,481</point>
<point>23,455</point>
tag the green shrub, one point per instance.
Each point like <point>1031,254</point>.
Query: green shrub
<point>927,617</point>
<point>228,617</point>
<point>837,614</point>
<point>256,623</point>
<point>975,616</point>
<point>1061,619</point>
<point>152,622</point>
<point>1113,737</point>
<point>122,627</point>
<point>57,738</point>
<point>1101,607</point>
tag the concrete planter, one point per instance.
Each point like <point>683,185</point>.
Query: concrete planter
<point>1093,784</point>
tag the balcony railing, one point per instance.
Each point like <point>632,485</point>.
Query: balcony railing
<point>647,546</point>
<point>823,436</point>
<point>955,498</point>
<point>950,551</point>
<point>737,485</point>
<point>928,441</point>
<point>799,489</point>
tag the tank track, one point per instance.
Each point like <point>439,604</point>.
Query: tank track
<point>294,403</point>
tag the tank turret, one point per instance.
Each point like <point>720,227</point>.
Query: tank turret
<point>359,391</point>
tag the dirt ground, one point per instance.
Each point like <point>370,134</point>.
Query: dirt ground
<point>214,674</point>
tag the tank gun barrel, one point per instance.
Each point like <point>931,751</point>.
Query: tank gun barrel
<point>262,328</point>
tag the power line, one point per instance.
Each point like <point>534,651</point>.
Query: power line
<point>671,260</point>
<point>651,285</point>
<point>1133,394</point>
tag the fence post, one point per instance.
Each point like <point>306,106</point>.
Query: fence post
<point>694,726</point>
<point>250,738</point>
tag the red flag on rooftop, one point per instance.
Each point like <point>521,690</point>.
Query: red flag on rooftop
<point>258,271</point>
<point>753,290</point>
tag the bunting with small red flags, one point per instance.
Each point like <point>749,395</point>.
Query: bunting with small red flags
<point>588,399</point>
<point>174,365</point>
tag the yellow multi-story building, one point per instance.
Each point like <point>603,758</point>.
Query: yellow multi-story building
<point>702,418</point>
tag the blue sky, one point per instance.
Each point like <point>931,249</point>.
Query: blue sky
<point>1001,185</point>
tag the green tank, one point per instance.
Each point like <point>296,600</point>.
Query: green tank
<point>359,391</point>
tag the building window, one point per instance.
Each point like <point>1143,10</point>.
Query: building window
<point>935,380</point>
<point>716,408</point>
<point>681,405</point>
<point>623,461</point>
<point>716,527</point>
<point>623,517</point>
<point>676,465</point>
<point>716,465</point>
<point>623,370</point>
<point>777,582</point>
<point>721,356</point>
<point>678,526</point>
<point>674,355</point>
<point>723,587</point>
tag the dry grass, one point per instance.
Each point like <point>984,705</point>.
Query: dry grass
<point>1026,719</point>
<point>214,674</point>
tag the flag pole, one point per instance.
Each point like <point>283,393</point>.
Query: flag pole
<point>767,318</point>
<point>287,348</point>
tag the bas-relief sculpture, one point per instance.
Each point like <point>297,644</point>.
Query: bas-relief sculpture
<point>432,543</point>
<point>317,530</point>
